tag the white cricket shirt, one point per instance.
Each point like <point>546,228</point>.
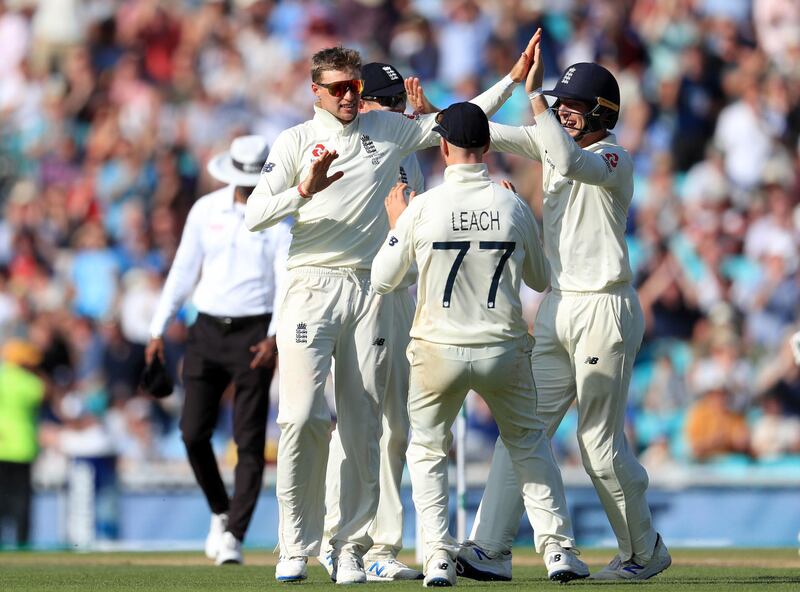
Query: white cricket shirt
<point>344,225</point>
<point>240,271</point>
<point>474,243</point>
<point>587,193</point>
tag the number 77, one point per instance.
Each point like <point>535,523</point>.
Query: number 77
<point>462,247</point>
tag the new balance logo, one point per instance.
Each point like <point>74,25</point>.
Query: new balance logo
<point>480,554</point>
<point>591,360</point>
<point>379,341</point>
<point>377,570</point>
<point>393,241</point>
<point>555,558</point>
<point>301,333</point>
<point>633,568</point>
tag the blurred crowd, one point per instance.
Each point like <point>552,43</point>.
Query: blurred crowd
<point>110,109</point>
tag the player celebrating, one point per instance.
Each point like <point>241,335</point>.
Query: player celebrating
<point>384,90</point>
<point>588,328</point>
<point>474,242</point>
<point>329,309</point>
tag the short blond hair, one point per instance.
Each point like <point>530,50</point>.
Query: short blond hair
<point>334,58</point>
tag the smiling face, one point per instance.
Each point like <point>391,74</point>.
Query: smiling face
<point>344,108</point>
<point>570,113</point>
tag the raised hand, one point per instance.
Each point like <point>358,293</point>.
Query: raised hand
<point>318,178</point>
<point>523,66</point>
<point>395,202</point>
<point>535,76</point>
<point>416,97</point>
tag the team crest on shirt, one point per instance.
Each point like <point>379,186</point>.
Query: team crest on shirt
<point>370,151</point>
<point>301,333</point>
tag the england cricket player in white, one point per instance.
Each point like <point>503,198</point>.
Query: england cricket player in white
<point>329,308</point>
<point>588,328</point>
<point>385,90</point>
<point>473,242</point>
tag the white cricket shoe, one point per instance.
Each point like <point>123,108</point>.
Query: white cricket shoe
<point>390,570</point>
<point>291,569</point>
<point>440,571</point>
<point>632,570</point>
<point>350,569</point>
<point>218,526</point>
<point>229,551</point>
<point>476,563</point>
<point>326,561</point>
<point>563,564</point>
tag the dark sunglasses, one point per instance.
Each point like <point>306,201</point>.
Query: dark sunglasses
<point>390,102</point>
<point>340,88</point>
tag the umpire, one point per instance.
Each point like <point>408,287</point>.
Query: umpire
<point>230,342</point>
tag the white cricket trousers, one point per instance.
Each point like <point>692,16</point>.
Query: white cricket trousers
<point>441,376</point>
<point>585,347</point>
<point>387,528</point>
<point>330,313</point>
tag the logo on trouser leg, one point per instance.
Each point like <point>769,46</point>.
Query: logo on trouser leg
<point>379,341</point>
<point>591,360</point>
<point>301,333</point>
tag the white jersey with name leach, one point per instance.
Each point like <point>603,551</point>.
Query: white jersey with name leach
<point>344,225</point>
<point>474,243</point>
<point>586,198</point>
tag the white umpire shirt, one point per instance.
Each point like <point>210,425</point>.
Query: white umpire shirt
<point>587,193</point>
<point>474,242</point>
<point>240,272</point>
<point>345,224</point>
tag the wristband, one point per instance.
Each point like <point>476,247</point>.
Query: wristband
<point>535,93</point>
<point>302,194</point>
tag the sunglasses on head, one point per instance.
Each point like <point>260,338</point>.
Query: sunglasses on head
<point>390,102</point>
<point>340,88</point>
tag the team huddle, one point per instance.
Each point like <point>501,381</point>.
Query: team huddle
<point>363,231</point>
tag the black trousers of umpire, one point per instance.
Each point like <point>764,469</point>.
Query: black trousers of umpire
<point>16,493</point>
<point>218,352</point>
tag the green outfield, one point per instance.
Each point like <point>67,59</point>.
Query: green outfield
<point>692,569</point>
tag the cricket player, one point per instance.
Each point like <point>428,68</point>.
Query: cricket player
<point>384,90</point>
<point>329,309</point>
<point>588,328</point>
<point>474,242</point>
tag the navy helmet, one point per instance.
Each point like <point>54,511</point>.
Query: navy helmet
<point>592,84</point>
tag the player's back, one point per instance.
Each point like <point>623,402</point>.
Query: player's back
<point>474,242</point>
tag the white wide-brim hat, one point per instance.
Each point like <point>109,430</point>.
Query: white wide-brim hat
<point>241,165</point>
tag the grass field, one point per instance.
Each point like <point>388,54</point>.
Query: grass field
<point>692,569</point>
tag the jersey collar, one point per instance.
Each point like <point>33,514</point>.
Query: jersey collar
<point>325,121</point>
<point>467,173</point>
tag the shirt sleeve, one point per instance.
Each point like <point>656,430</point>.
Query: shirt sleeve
<point>607,168</point>
<point>417,130</point>
<point>535,269</point>
<point>396,255</point>
<point>280,256</point>
<point>276,196</point>
<point>521,141</point>
<point>183,274</point>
